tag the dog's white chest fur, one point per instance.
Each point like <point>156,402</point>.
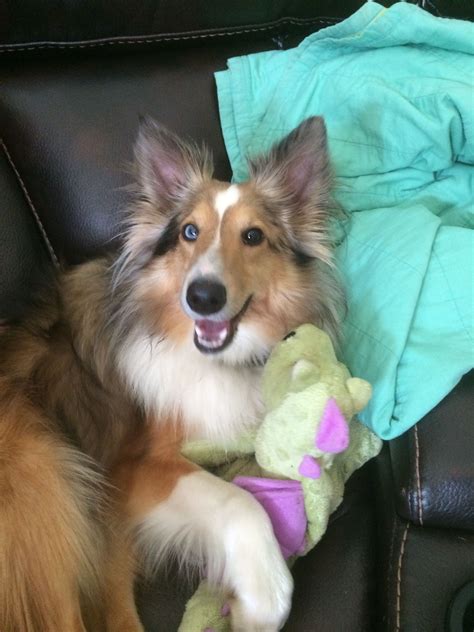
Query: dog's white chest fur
<point>215,401</point>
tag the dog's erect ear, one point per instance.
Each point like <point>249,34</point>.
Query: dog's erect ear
<point>295,178</point>
<point>168,171</point>
<point>168,167</point>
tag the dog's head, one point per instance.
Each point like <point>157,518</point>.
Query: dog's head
<point>232,267</point>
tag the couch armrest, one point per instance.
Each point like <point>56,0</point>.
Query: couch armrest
<point>433,463</point>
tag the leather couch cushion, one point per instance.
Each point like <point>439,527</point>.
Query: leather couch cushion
<point>433,464</point>
<point>420,569</point>
<point>425,570</point>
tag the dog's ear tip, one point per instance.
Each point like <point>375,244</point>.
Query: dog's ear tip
<point>317,120</point>
<point>315,125</point>
<point>147,126</point>
<point>144,120</point>
<point>144,129</point>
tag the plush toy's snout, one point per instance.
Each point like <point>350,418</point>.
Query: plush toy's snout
<point>304,368</point>
<point>361,392</point>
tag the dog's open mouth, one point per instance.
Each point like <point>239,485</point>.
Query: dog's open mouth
<point>211,336</point>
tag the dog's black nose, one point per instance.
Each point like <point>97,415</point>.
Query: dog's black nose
<point>205,296</point>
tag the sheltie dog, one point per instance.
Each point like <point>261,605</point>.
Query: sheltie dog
<point>126,356</point>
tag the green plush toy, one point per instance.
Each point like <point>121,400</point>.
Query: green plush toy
<point>298,460</point>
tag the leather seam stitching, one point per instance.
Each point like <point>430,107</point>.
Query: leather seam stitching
<point>36,216</point>
<point>399,577</point>
<point>418,478</point>
<point>390,554</point>
<point>151,39</point>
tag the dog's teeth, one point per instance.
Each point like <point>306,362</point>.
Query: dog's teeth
<point>210,344</point>
<point>214,336</point>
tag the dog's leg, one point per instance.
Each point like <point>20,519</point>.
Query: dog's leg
<point>119,578</point>
<point>180,509</point>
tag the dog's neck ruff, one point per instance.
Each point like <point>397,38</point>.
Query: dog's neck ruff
<point>213,400</point>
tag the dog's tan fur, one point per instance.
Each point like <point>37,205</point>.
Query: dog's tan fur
<point>83,457</point>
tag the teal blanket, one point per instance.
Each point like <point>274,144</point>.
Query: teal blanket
<point>396,89</point>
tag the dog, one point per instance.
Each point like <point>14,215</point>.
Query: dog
<point>125,357</point>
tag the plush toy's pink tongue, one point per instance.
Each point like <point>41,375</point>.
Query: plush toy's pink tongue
<point>212,334</point>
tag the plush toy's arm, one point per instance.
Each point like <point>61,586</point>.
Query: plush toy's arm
<point>207,454</point>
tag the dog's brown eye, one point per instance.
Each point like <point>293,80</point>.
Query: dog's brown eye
<point>190,232</point>
<point>252,237</point>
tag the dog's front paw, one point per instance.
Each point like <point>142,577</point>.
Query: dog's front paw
<point>255,572</point>
<point>262,614</point>
<point>263,603</point>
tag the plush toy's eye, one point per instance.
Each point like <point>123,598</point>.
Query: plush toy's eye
<point>190,232</point>
<point>252,237</point>
<point>290,335</point>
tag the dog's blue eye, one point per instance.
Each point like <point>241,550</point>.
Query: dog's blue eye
<point>190,232</point>
<point>252,237</point>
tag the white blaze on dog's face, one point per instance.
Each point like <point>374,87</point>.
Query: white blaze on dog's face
<point>230,266</point>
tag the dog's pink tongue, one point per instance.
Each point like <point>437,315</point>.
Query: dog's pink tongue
<point>213,331</point>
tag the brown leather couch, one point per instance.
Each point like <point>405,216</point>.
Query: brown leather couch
<point>74,78</point>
